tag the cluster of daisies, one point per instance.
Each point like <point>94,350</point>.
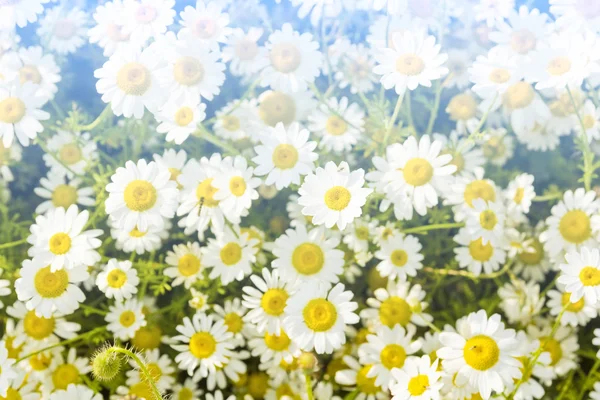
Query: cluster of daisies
<point>300,200</point>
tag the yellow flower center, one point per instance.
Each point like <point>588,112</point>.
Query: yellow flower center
<point>140,195</point>
<point>13,352</point>
<point>277,343</point>
<point>410,64</point>
<point>479,251</point>
<point>488,219</point>
<point>285,57</point>
<point>60,243</point>
<point>337,198</point>
<point>188,71</point>
<point>519,194</point>
<point>533,255</point>
<point>134,79</point>
<point>246,49</point>
<point>319,315</point>
<point>499,75</point>
<point>185,394</point>
<point>188,265</point>
<point>366,385</point>
<point>285,392</point>
<point>154,371</point>
<point>589,121</point>
<point>523,41</point>
<point>590,276</point>
<point>519,95</point>
<point>51,284</point>
<point>494,147</point>
<point>308,258</point>
<point>135,232</point>
<point>285,156</point>
<point>70,153</point>
<point>40,362</point>
<point>273,302</point>
<point>573,307</point>
<point>206,192</point>
<point>141,390</point>
<point>231,254</point>
<point>479,189</point>
<point>234,322</point>
<point>575,226</point>
<point>559,66</point>
<point>147,337</point>
<point>481,352</point>
<point>462,107</point>
<point>116,278</point>
<point>362,233</point>
<point>418,385</point>
<point>257,385</point>
<point>30,73</point>
<point>64,196</point>
<point>36,327</point>
<point>184,116</point>
<point>417,171</point>
<point>230,123</point>
<point>12,110</point>
<point>277,107</point>
<point>336,126</point>
<point>64,375</point>
<point>553,347</point>
<point>11,394</point>
<point>395,310</point>
<point>393,356</point>
<point>399,258</point>
<point>237,186</point>
<point>127,318</point>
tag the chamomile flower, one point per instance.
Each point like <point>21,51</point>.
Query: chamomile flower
<point>275,106</point>
<point>316,317</point>
<point>339,123</point>
<point>358,234</point>
<point>397,304</point>
<point>273,349</point>
<point>595,393</point>
<point>185,264</point>
<point>418,379</point>
<point>356,377</point>
<point>230,256</point>
<point>199,300</point>
<point>129,82</point>
<point>520,193</point>
<point>590,116</point>
<point>22,388</point>
<point>140,195</point>
<point>400,257</point>
<point>576,313</point>
<point>466,155</point>
<point>205,25</point>
<point>144,19</point>
<point>232,314</point>
<point>62,192</point>
<point>245,56</point>
<point>118,280</point>
<point>307,256</point>
<point>466,189</point>
<point>294,60</point>
<point>187,390</point>
<point>160,367</point>
<point>521,301</point>
<point>20,113</point>
<point>493,74</point>
<point>58,239</point>
<point>108,33</point>
<point>218,395</point>
<point>236,188</point>
<point>20,13</point>
<point>333,195</point>
<point>8,372</point>
<point>39,68</point>
<point>356,70</point>
<point>237,120</point>
<point>482,351</point>
<point>477,256</point>
<point>140,242</point>
<point>124,319</point>
<point>63,30</point>
<point>49,292</point>
<point>462,108</point>
<point>386,349</point>
<point>179,119</point>
<point>205,344</point>
<point>66,372</point>
<point>174,161</point>
<point>486,221</point>
<point>581,275</point>
<point>410,60</point>
<point>70,153</point>
<point>562,346</point>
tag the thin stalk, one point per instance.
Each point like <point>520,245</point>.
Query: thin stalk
<point>95,122</point>
<point>142,367</point>
<point>13,244</point>
<point>588,156</point>
<point>426,228</point>
<point>309,390</point>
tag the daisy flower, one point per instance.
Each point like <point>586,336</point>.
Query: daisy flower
<point>180,119</point>
<point>21,388</point>
<point>591,122</point>
<point>140,242</point>
<point>124,319</point>
<point>521,301</point>
<point>49,292</point>
<point>581,275</point>
<point>486,221</point>
<point>8,156</point>
<point>410,60</point>
<point>73,391</point>
<point>284,155</point>
<point>140,195</point>
<point>338,123</point>
<point>185,264</point>
<point>520,193</point>
<point>316,317</point>
<point>58,239</point>
<point>205,344</point>
<point>20,113</point>
<point>493,12</point>
<point>20,13</point>
<point>62,192</point>
<point>355,378</point>
<point>522,105</point>
<point>467,189</point>
<point>243,52</point>
<point>532,261</point>
<point>237,120</point>
<point>129,82</point>
<point>482,351</point>
<point>63,30</point>
<point>462,108</point>
<point>595,393</point>
<point>400,257</point>
<point>498,147</point>
<point>273,349</point>
<point>118,280</point>
<point>205,25</point>
<point>199,300</point>
<point>494,73</point>
<point>8,372</point>
<point>477,255</point>
<point>562,346</point>
<point>356,70</point>
<point>418,379</point>
<point>66,372</point>
<point>266,301</point>
<point>295,60</point>
<point>386,349</point>
<point>232,314</point>
<point>357,234</point>
<point>397,304</point>
<point>144,19</point>
<point>174,161</point>
<point>39,68</point>
<point>230,256</point>
<point>108,33</point>
<point>572,15</point>
<point>187,390</point>
<point>466,155</point>
<point>458,63</point>
<point>160,367</point>
<point>236,188</point>
<point>70,153</point>
<point>307,256</point>
<point>576,313</point>
<point>218,395</point>
<point>333,195</point>
<point>284,106</point>
<point>571,226</point>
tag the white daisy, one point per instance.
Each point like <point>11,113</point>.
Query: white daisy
<point>486,221</point>
<point>356,70</point>
<point>284,106</point>
<point>70,153</point>
<point>124,319</point>
<point>39,68</point>
<point>108,33</point>
<point>273,349</point>
<point>8,372</point>
<point>180,119</point>
<point>339,124</point>
<point>581,274</point>
<point>358,234</point>
<point>174,161</point>
<point>66,372</point>
<point>590,116</point>
<point>20,113</point>
<point>245,56</point>
<point>118,280</point>
<point>144,19</point>
<point>418,379</point>
<point>576,313</point>
<point>355,379</point>
<point>400,257</point>
<point>466,189</point>
<point>185,264</point>
<point>562,346</point>
<point>62,192</point>
<point>140,242</point>
<point>466,155</point>
<point>159,366</point>
<point>237,120</point>
<point>63,29</point>
<point>316,317</point>
<point>521,301</point>
<point>236,188</point>
<point>475,255</point>
<point>20,13</point>
<point>205,25</point>
<point>230,256</point>
<point>520,193</point>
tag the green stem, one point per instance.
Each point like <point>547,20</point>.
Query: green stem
<point>587,380</point>
<point>309,390</point>
<point>81,128</point>
<point>142,367</point>
<point>13,244</point>
<point>588,156</point>
<point>426,228</point>
<point>436,107</point>
<point>468,274</point>
<point>548,197</point>
<point>203,133</point>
